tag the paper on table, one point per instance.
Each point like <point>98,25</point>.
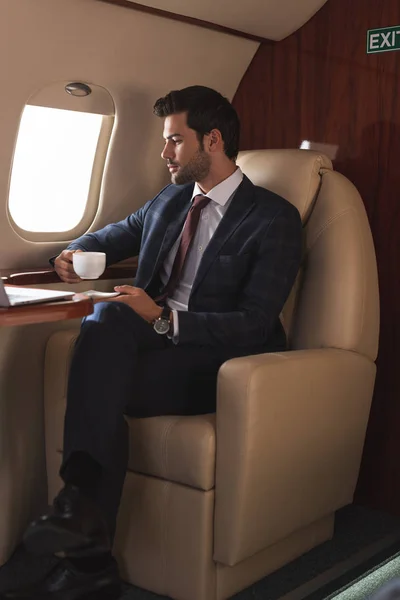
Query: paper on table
<point>97,294</point>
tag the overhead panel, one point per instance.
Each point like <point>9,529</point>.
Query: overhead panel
<point>272,19</point>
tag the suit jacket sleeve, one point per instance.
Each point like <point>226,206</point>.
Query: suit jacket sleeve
<point>119,240</point>
<point>267,287</point>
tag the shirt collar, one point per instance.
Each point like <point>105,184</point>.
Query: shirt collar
<point>224,190</point>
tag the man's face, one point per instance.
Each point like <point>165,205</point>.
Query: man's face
<point>186,158</point>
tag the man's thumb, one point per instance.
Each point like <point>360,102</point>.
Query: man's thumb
<point>125,289</point>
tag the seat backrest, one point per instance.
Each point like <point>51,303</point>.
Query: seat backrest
<point>335,300</point>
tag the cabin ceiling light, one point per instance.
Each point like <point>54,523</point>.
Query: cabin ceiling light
<point>78,89</point>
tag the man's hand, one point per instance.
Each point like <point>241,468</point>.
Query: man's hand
<point>64,268</point>
<point>139,301</point>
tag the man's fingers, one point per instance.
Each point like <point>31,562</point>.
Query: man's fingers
<point>66,255</point>
<point>64,267</point>
<point>66,273</point>
<point>69,278</point>
<point>97,300</point>
<point>126,289</point>
<point>123,299</point>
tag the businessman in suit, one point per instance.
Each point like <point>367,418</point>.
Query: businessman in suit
<point>217,259</point>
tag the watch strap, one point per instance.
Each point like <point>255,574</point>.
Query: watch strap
<point>166,313</point>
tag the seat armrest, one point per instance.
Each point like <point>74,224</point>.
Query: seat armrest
<point>290,434</point>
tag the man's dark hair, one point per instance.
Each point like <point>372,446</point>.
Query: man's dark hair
<point>206,110</point>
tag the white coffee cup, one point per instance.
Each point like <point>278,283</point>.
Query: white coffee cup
<point>89,265</point>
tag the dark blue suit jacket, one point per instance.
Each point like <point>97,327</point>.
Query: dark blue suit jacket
<point>246,271</point>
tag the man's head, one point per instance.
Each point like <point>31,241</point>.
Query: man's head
<point>201,128</point>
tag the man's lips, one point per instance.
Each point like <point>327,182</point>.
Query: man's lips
<point>172,167</point>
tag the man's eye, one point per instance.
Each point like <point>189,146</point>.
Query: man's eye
<point>177,141</point>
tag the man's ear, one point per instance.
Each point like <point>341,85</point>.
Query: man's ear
<point>215,140</point>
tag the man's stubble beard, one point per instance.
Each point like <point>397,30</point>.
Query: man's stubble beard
<point>196,169</point>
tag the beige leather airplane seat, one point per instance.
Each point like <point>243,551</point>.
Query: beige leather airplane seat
<point>213,503</point>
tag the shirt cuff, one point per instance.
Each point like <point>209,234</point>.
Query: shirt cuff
<point>175,334</point>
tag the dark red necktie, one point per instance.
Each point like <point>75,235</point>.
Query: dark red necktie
<point>189,230</point>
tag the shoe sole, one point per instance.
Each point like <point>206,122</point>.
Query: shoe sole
<point>50,539</point>
<point>112,592</point>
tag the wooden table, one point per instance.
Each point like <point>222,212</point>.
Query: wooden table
<point>78,307</point>
<point>47,312</point>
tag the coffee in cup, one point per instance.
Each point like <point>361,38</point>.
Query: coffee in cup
<point>89,265</point>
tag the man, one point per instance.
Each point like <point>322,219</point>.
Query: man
<point>217,259</point>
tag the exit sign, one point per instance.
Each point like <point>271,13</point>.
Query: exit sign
<point>383,40</point>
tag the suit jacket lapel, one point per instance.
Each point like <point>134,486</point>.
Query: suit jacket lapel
<point>238,210</point>
<point>175,214</point>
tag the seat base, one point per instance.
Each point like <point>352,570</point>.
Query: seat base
<point>164,543</point>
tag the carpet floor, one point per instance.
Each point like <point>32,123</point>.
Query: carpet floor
<point>359,540</point>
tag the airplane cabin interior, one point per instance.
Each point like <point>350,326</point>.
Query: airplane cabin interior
<point>290,490</point>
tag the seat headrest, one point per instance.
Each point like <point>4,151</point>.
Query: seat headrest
<point>293,174</point>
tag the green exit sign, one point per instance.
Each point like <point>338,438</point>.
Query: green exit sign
<point>383,40</point>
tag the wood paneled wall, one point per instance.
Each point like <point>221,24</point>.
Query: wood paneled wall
<point>319,84</point>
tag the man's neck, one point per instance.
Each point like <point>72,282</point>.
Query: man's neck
<point>216,177</point>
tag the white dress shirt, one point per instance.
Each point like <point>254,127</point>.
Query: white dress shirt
<point>221,196</point>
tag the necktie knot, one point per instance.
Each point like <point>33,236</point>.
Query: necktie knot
<point>200,202</point>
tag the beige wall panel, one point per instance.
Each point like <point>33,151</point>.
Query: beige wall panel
<point>137,57</point>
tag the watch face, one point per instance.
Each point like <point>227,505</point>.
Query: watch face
<point>161,326</point>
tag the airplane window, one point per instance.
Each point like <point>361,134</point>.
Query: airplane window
<point>52,169</point>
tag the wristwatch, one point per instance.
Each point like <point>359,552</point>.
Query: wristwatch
<point>162,325</point>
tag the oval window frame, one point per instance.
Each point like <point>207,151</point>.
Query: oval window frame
<point>99,101</point>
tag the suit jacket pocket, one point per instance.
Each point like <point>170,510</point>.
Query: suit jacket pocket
<point>233,259</point>
<point>229,269</point>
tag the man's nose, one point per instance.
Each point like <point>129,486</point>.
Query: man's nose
<point>166,153</point>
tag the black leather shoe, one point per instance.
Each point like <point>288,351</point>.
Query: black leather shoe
<point>65,582</point>
<point>74,527</point>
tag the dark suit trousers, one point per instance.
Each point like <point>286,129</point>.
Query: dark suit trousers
<point>121,366</point>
